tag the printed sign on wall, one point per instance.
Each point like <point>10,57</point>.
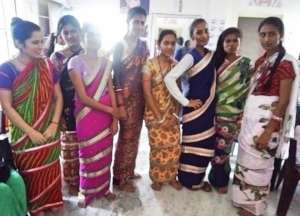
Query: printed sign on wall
<point>266,3</point>
<point>125,5</point>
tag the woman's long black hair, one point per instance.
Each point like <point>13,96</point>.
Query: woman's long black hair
<point>220,54</point>
<point>277,23</point>
<point>63,21</point>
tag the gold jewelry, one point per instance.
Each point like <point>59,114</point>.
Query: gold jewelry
<point>54,122</point>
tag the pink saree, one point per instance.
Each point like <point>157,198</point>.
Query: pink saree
<point>93,132</point>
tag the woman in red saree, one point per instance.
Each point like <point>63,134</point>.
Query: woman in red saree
<point>32,100</point>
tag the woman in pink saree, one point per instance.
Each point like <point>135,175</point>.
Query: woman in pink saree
<point>95,125</point>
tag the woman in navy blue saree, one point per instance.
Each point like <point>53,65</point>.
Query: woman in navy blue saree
<point>198,129</point>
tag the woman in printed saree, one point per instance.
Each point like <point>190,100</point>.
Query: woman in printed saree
<point>268,120</point>
<point>233,77</point>
<point>161,115</point>
<point>31,98</point>
<point>95,126</point>
<point>68,32</point>
<point>128,60</point>
<point>198,139</point>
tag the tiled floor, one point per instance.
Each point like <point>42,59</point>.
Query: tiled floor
<point>168,202</point>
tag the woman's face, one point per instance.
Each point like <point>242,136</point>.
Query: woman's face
<point>136,25</point>
<point>231,44</point>
<point>269,37</point>
<point>70,35</point>
<point>33,46</point>
<point>92,40</point>
<point>167,45</point>
<point>200,34</point>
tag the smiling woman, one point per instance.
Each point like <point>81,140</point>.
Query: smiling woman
<point>160,115</point>
<point>32,100</point>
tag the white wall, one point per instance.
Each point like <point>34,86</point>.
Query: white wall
<point>231,10</point>
<point>28,10</point>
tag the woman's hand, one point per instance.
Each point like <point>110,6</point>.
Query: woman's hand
<point>36,137</point>
<point>263,140</point>
<point>122,113</point>
<point>51,131</point>
<point>114,127</point>
<point>169,122</point>
<point>195,103</point>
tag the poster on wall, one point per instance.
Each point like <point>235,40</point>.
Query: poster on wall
<point>266,3</point>
<point>125,5</point>
<point>216,26</point>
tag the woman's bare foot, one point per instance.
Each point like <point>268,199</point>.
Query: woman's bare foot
<point>81,204</point>
<point>127,187</point>
<point>156,186</point>
<point>136,176</point>
<point>175,184</point>
<point>73,191</point>
<point>41,213</point>
<point>110,196</point>
<point>222,190</point>
<point>206,187</point>
<point>56,210</point>
<point>243,212</point>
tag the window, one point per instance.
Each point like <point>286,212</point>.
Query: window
<point>44,17</point>
<point>7,11</point>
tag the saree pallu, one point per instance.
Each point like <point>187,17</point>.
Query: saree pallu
<point>254,167</point>
<point>198,139</point>
<point>33,92</point>
<point>69,142</point>
<point>164,142</point>
<point>232,90</point>
<point>94,136</point>
<point>70,160</point>
<point>128,77</point>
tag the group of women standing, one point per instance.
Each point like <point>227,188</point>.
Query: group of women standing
<point>223,101</point>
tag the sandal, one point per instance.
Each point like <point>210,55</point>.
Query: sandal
<point>175,184</point>
<point>135,176</point>
<point>110,196</point>
<point>243,212</point>
<point>127,187</point>
<point>206,187</point>
<point>156,186</point>
<point>222,190</point>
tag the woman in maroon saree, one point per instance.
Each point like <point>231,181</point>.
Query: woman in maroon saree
<point>69,32</point>
<point>129,58</point>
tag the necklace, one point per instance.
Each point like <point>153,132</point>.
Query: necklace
<point>160,68</point>
<point>21,61</point>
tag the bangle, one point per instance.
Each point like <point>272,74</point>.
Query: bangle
<point>176,116</point>
<point>161,120</point>
<point>54,122</point>
<point>277,118</point>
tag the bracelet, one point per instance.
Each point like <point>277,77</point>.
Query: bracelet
<point>176,116</point>
<point>54,122</point>
<point>277,118</point>
<point>161,120</point>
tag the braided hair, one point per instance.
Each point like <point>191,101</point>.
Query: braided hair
<point>278,24</point>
